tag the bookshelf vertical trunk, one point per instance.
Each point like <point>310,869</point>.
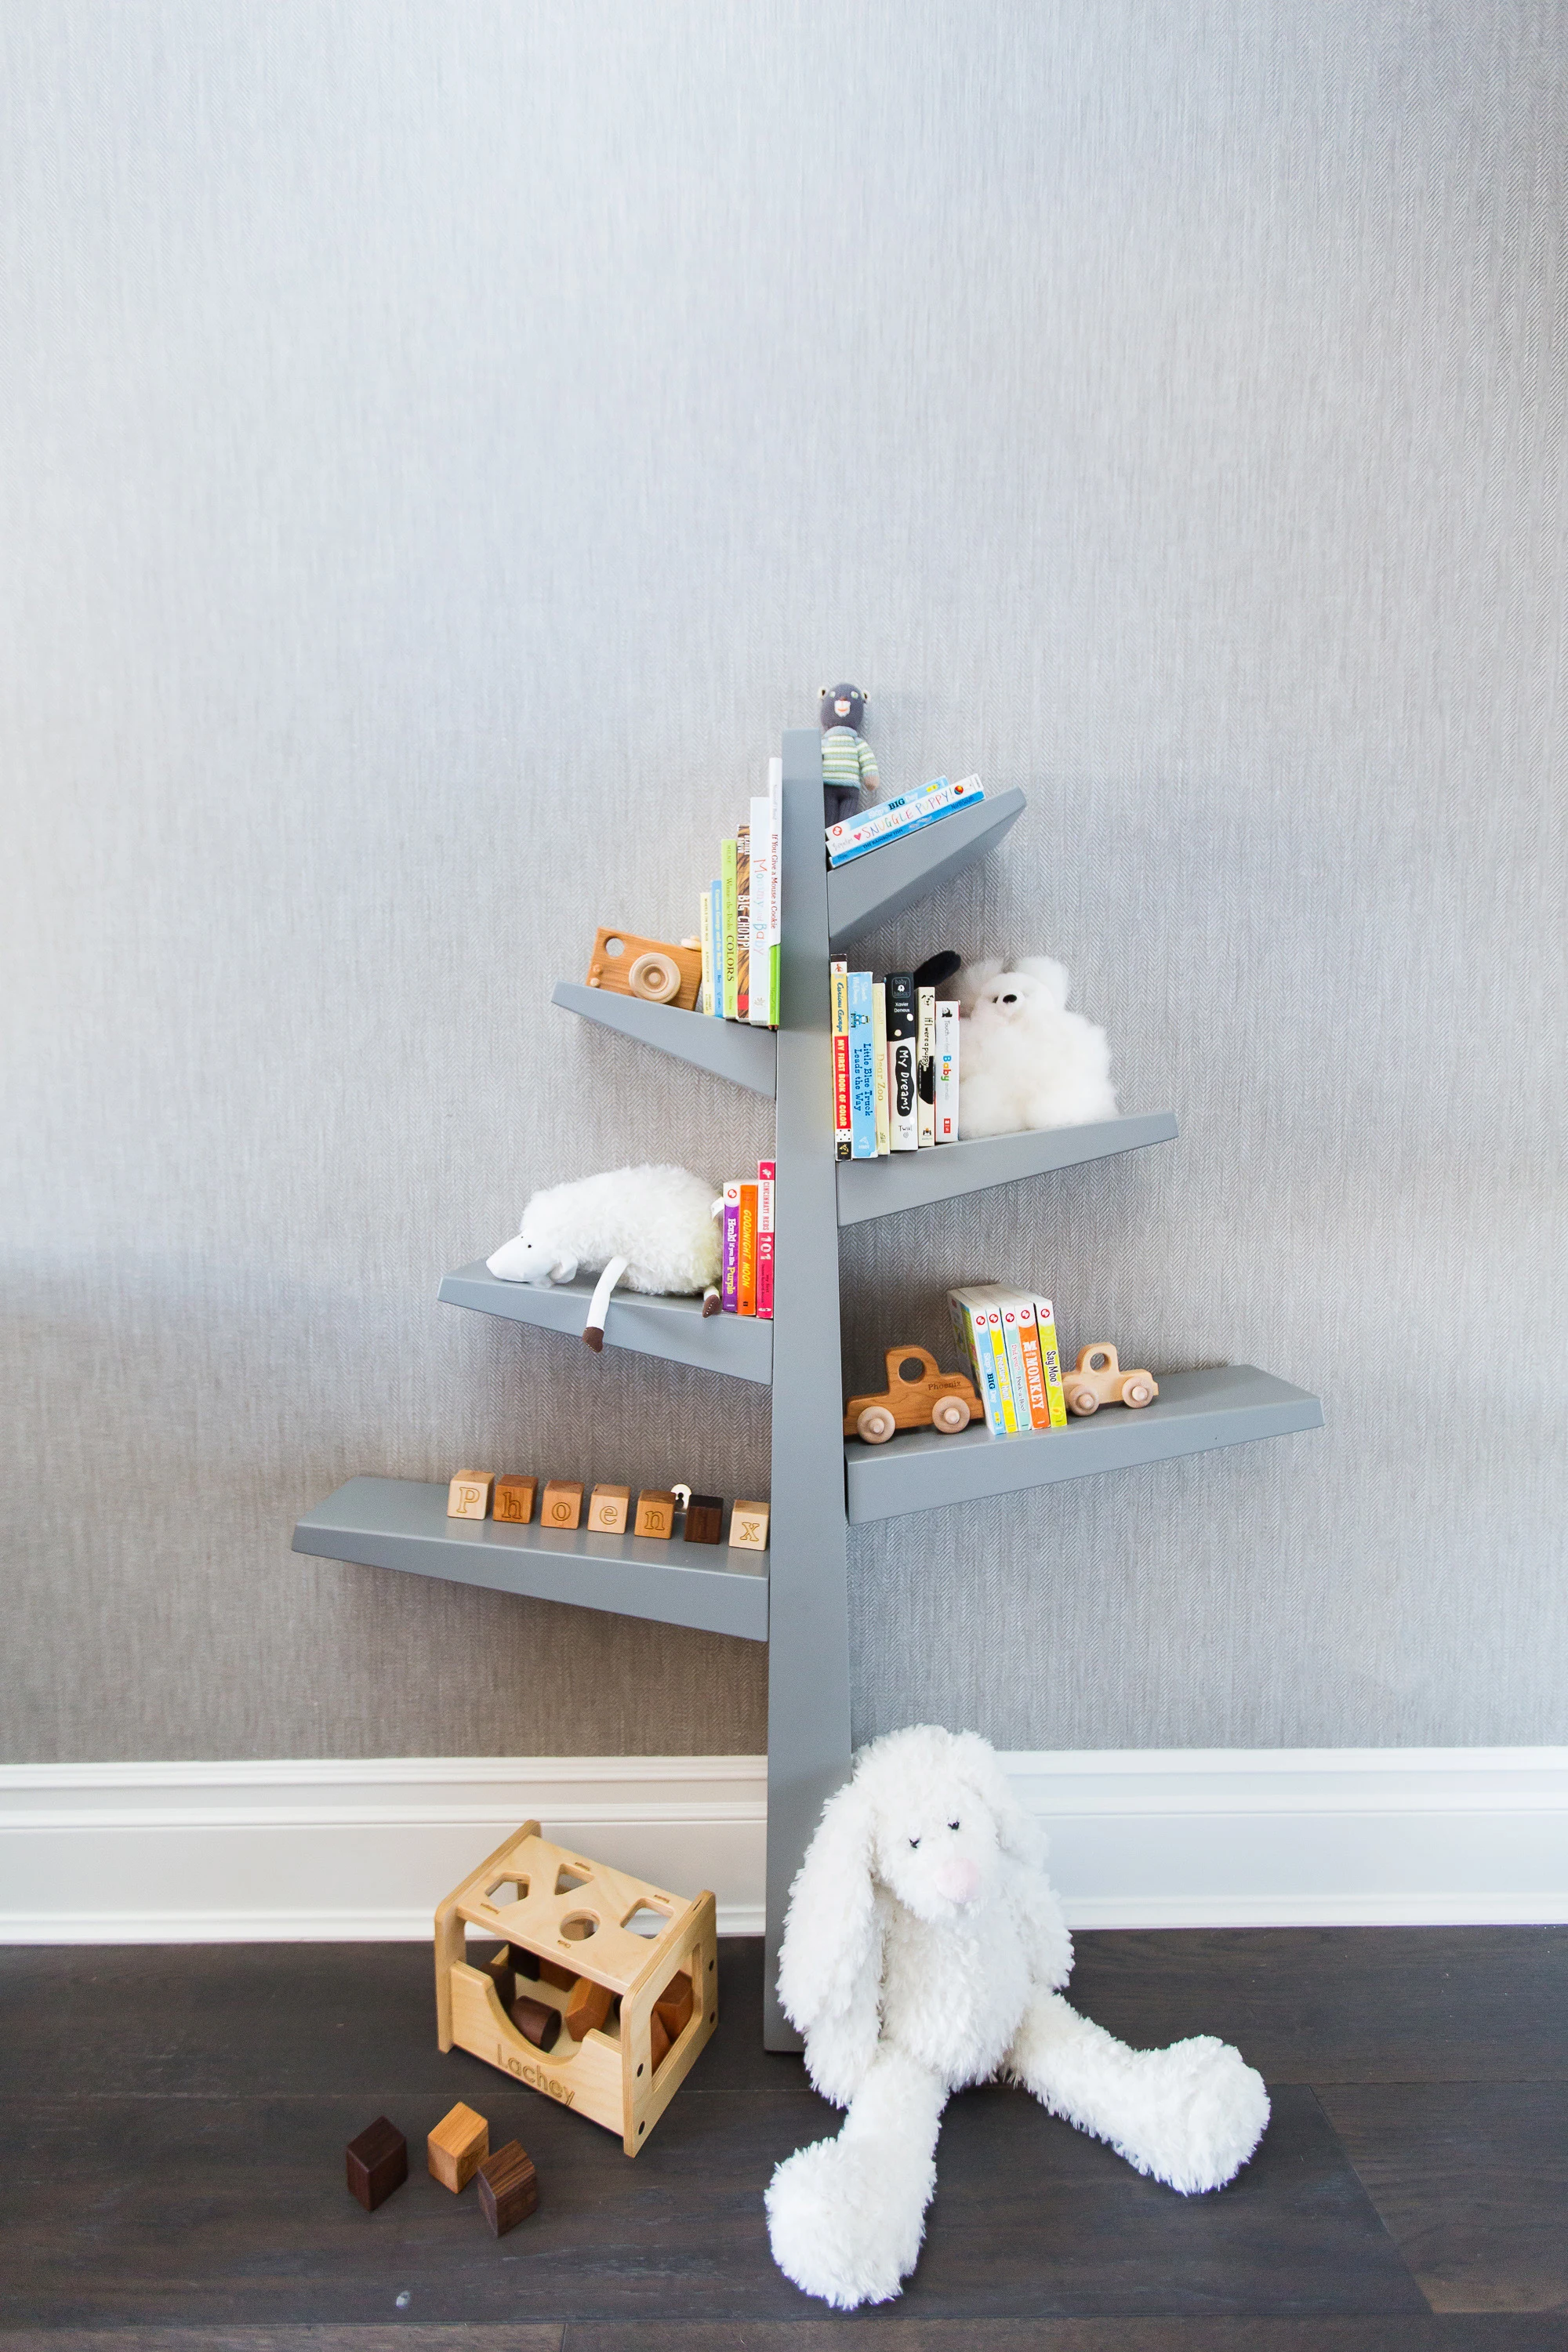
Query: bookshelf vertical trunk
<point>808,1608</point>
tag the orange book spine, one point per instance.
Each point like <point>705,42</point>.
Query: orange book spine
<point>746,1285</point>
<point>1034,1369</point>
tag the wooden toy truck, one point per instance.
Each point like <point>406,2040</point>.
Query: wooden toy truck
<point>917,1396</point>
<point>1098,1379</point>
<point>639,1944</point>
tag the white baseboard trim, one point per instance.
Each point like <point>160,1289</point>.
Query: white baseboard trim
<point>306,1850</point>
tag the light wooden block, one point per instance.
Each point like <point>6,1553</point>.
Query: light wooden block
<point>469,1496</point>
<point>561,1505</point>
<point>656,1513</point>
<point>457,2146</point>
<point>608,1510</point>
<point>749,1527</point>
<point>514,1499</point>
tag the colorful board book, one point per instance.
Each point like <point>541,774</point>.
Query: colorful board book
<point>874,828</point>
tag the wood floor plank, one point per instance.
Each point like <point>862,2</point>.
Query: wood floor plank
<point>1343,2004</point>
<point>1472,2181</point>
<point>897,2330</point>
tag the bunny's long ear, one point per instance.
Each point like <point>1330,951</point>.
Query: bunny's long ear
<point>830,1962</point>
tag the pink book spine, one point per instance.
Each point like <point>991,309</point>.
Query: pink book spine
<point>765,1174</point>
<point>730,1296</point>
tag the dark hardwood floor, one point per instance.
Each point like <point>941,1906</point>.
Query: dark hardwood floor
<point>172,2125</point>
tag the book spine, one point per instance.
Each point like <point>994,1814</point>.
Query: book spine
<point>1007,1305</point>
<point>766,1175</point>
<point>705,938</point>
<point>746,1266</point>
<point>969,1323</point>
<point>760,1011</point>
<point>1033,1368</point>
<point>716,925</point>
<point>880,1065</point>
<point>729,1280</point>
<point>727,889</point>
<point>995,1332</point>
<point>743,923</point>
<point>776,883</point>
<point>1051,1362</point>
<point>946,1107</point>
<point>895,819</point>
<point>925,1066</point>
<point>901,1043</point>
<point>842,1127</point>
<point>862,1070</point>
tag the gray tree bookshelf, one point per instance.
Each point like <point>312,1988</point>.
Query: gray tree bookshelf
<point>795,1597</point>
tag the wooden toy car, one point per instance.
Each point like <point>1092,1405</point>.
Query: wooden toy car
<point>917,1395</point>
<point>1098,1379</point>
<point>651,969</point>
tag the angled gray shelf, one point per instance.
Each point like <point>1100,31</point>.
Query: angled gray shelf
<point>1194,1412</point>
<point>676,1329</point>
<point>885,881</point>
<point>402,1523</point>
<point>730,1049</point>
<point>912,1180</point>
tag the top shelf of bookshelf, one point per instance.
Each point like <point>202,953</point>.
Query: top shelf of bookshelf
<point>886,881</point>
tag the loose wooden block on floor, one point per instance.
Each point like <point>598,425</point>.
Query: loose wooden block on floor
<point>561,1504</point>
<point>469,1496</point>
<point>377,2163</point>
<point>587,2008</point>
<point>656,1512</point>
<point>536,2020</point>
<point>704,1519</point>
<point>457,2146</point>
<point>608,1510</point>
<point>508,2187</point>
<point>514,1499</point>
<point>749,1527</point>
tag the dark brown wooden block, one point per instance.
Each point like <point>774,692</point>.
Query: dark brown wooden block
<point>377,2163</point>
<point>704,1519</point>
<point>536,2022</point>
<point>499,1970</point>
<point>508,2187</point>
<point>587,2008</point>
<point>674,2005</point>
<point>525,1963</point>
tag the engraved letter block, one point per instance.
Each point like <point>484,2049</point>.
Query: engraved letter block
<point>656,1513</point>
<point>749,1527</point>
<point>608,1507</point>
<point>514,1499</point>
<point>562,1506</point>
<point>469,1496</point>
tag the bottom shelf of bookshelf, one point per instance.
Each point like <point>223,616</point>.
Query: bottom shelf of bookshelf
<point>1195,1411</point>
<point>402,1523</point>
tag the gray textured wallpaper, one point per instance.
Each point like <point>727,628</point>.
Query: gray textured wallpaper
<point>440,451</point>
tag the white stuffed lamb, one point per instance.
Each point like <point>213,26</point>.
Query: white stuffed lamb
<point>652,1228</point>
<point>924,1950</point>
<point>1024,1060</point>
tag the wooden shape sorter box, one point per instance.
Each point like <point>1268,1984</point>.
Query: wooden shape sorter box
<point>648,1949</point>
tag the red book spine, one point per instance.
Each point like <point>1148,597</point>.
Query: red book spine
<point>766,1179</point>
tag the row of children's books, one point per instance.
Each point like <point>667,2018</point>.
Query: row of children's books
<point>895,1065</point>
<point>885,821</point>
<point>746,1281</point>
<point>1010,1340</point>
<point>739,926</point>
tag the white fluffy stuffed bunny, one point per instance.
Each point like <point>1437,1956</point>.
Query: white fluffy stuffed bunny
<point>1024,1060</point>
<point>925,1950</point>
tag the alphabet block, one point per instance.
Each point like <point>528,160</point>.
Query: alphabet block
<point>749,1527</point>
<point>508,2187</point>
<point>608,1509</point>
<point>587,2008</point>
<point>377,2163</point>
<point>656,1513</point>
<point>536,2022</point>
<point>469,1496</point>
<point>457,2146</point>
<point>704,1519</point>
<point>562,1506</point>
<point>514,1499</point>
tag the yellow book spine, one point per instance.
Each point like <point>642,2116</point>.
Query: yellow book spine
<point>1051,1361</point>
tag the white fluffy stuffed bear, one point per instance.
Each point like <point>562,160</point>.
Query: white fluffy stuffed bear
<point>1024,1060</point>
<point>924,1950</point>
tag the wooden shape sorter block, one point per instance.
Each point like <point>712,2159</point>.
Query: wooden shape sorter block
<point>508,2187</point>
<point>514,1499</point>
<point>469,1496</point>
<point>457,2146</point>
<point>749,1527</point>
<point>704,1519</point>
<point>377,2163</point>
<point>608,1509</point>
<point>656,1513</point>
<point>588,2007</point>
<point>585,1922</point>
<point>560,1506</point>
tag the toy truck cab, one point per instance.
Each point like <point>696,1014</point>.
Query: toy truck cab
<point>917,1396</point>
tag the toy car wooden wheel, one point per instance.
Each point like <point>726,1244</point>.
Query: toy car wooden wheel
<point>950,1413</point>
<point>876,1424</point>
<point>655,978</point>
<point>1137,1391</point>
<point>1083,1401</point>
